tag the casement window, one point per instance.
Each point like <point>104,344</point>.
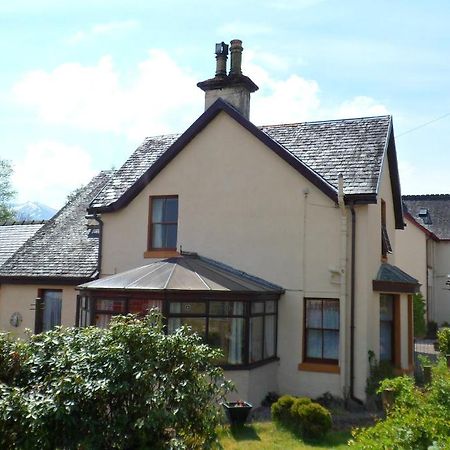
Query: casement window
<point>244,330</point>
<point>48,309</point>
<point>385,242</point>
<point>321,331</point>
<point>163,223</point>
<point>389,334</point>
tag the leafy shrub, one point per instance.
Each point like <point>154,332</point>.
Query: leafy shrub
<point>417,420</point>
<point>443,336</point>
<point>420,327</point>
<point>314,419</point>
<point>128,386</point>
<point>281,409</point>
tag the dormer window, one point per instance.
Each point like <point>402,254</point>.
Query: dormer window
<point>424,214</point>
<point>385,242</point>
<point>163,223</point>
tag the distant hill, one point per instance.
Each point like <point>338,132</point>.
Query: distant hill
<point>33,211</point>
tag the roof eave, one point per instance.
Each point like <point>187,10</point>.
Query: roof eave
<point>51,280</point>
<point>218,106</point>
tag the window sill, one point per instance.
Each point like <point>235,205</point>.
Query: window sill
<point>161,253</point>
<point>319,367</point>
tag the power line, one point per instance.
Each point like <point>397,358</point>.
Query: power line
<point>423,125</point>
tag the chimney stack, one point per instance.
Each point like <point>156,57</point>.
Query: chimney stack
<point>235,88</point>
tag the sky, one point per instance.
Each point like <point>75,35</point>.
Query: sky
<point>82,83</point>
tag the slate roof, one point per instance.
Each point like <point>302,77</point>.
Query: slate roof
<point>14,234</point>
<point>353,147</point>
<point>187,273</point>
<point>63,249</point>
<point>437,217</point>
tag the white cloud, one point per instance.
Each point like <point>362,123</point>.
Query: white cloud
<point>157,99</point>
<point>49,171</point>
<point>103,28</point>
<point>360,106</point>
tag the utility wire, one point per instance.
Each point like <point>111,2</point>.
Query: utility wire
<point>423,125</point>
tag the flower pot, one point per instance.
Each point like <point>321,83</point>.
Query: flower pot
<point>237,412</point>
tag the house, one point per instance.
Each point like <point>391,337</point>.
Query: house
<point>38,280</point>
<point>274,243</point>
<point>424,250</point>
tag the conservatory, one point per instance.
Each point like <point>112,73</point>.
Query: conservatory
<point>229,309</point>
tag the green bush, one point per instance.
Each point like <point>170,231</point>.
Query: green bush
<point>294,415</point>
<point>418,418</point>
<point>420,327</point>
<point>443,336</point>
<point>281,409</point>
<point>378,371</point>
<point>128,386</point>
<point>314,420</point>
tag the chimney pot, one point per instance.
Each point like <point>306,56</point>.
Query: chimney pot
<point>236,57</point>
<point>221,59</point>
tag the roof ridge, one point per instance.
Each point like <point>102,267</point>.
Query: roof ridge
<point>426,196</point>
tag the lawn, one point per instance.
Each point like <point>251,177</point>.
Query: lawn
<point>267,436</point>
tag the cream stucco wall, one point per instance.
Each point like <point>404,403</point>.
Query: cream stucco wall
<point>411,253</point>
<point>241,204</point>
<point>440,310</point>
<point>21,298</point>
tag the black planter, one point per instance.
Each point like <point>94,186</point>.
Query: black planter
<point>237,412</point>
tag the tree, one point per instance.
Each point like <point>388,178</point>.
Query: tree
<point>6,191</point>
<point>129,386</point>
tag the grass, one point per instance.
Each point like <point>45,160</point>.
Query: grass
<point>269,436</point>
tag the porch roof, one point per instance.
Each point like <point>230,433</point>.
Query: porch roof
<point>184,273</point>
<point>393,279</point>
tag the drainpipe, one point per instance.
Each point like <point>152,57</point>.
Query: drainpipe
<point>352,308</point>
<point>343,283</point>
<point>100,239</point>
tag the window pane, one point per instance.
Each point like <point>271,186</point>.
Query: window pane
<point>52,309</point>
<point>228,335</point>
<point>226,308</point>
<point>158,236</point>
<point>143,306</point>
<point>188,307</point>
<point>157,209</point>
<point>198,325</point>
<point>314,314</point>
<point>314,344</point>
<point>117,306</point>
<point>270,306</point>
<point>386,341</point>
<point>269,338</point>
<point>331,314</point>
<point>331,344</point>
<point>170,236</point>
<point>256,338</point>
<point>386,307</point>
<point>257,307</point>
<point>170,210</point>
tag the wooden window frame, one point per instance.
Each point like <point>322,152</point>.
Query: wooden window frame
<point>150,248</point>
<point>309,362</point>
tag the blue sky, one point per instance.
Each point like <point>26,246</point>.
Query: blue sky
<point>82,83</point>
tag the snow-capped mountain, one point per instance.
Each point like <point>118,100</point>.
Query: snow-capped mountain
<point>33,211</point>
